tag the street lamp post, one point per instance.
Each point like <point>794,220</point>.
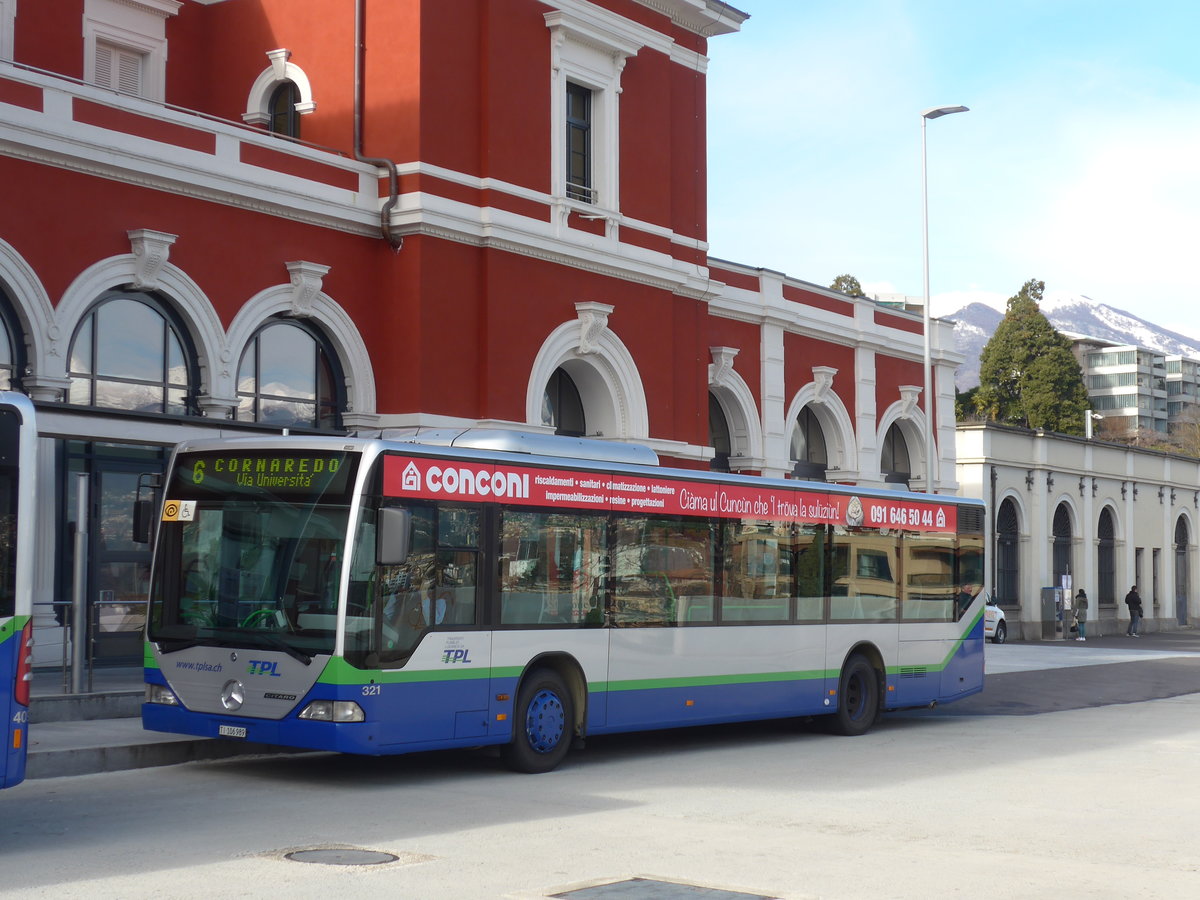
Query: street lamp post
<point>936,113</point>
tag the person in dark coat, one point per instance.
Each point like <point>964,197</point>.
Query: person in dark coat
<point>1081,606</point>
<point>1134,601</point>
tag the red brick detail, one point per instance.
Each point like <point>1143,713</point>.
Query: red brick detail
<point>577,222</point>
<point>734,279</point>
<point>647,241</point>
<point>17,93</point>
<point>818,301</point>
<point>86,112</point>
<point>903,324</point>
<point>310,170</point>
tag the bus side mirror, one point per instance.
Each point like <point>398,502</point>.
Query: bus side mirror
<point>142,514</point>
<point>393,536</point>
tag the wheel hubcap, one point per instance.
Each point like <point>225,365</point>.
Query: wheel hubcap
<point>855,696</point>
<point>545,721</point>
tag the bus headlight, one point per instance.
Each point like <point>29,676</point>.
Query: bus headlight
<point>160,693</point>
<point>333,711</point>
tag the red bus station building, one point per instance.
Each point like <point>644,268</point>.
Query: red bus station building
<point>377,216</point>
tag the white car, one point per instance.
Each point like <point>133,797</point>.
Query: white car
<point>994,626</point>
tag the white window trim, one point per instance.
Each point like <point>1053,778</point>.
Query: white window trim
<point>590,48</point>
<point>258,103</point>
<point>149,40</point>
<point>8,16</point>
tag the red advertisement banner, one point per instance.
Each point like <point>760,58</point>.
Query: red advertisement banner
<point>441,479</point>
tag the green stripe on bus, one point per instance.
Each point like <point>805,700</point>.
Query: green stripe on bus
<point>684,681</point>
<point>12,626</point>
<point>338,671</point>
<point>940,666</point>
<point>148,660</point>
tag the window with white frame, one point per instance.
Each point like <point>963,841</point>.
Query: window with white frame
<point>280,96</point>
<point>119,68</point>
<point>588,51</point>
<point>8,15</point>
<point>579,143</point>
<point>125,45</point>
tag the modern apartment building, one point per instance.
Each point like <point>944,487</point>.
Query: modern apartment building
<point>1134,388</point>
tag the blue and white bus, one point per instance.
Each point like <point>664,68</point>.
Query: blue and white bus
<point>18,446</point>
<point>527,591</point>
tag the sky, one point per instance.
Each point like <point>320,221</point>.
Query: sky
<point>1078,163</point>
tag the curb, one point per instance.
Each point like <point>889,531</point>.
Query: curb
<point>86,747</point>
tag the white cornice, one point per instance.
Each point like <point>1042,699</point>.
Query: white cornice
<point>607,31</point>
<point>703,17</point>
<point>163,8</point>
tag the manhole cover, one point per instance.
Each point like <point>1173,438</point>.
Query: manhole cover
<point>333,857</point>
<point>652,889</point>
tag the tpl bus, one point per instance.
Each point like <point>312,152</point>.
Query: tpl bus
<point>495,587</point>
<point>18,445</point>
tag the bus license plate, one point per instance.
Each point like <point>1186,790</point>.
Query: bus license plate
<point>231,731</point>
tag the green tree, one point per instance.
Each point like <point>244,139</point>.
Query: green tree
<point>964,403</point>
<point>847,284</point>
<point>1027,373</point>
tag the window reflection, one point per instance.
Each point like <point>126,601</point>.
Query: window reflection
<point>9,365</point>
<point>128,353</point>
<point>562,406</point>
<point>285,120</point>
<point>286,378</point>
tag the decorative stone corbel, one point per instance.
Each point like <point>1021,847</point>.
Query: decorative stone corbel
<point>823,382</point>
<point>909,394</point>
<point>722,365</point>
<point>279,60</point>
<point>150,249</point>
<point>593,322</point>
<point>307,278</point>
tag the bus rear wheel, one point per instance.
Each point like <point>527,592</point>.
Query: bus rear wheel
<point>858,697</point>
<point>545,718</point>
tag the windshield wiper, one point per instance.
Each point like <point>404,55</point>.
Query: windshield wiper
<point>174,645</point>
<point>275,643</point>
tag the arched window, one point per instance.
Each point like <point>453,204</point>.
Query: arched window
<point>1106,564</point>
<point>718,435</point>
<point>130,352</point>
<point>809,457</point>
<point>12,361</point>
<point>1182,572</point>
<point>1062,543</point>
<point>288,377</point>
<point>1007,563</point>
<point>561,406</point>
<point>284,119</point>
<point>894,461</point>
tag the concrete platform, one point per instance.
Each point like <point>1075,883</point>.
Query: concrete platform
<point>101,730</point>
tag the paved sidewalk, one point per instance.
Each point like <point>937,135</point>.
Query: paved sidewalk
<point>101,730</point>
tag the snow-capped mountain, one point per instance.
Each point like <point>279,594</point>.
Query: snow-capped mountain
<point>1072,314</point>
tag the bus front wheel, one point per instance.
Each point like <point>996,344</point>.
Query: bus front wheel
<point>545,718</point>
<point>858,697</point>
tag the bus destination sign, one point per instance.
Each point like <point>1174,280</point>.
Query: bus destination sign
<point>261,472</point>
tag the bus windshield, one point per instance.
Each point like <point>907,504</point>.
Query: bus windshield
<point>250,557</point>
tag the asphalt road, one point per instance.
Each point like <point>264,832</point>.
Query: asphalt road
<point>1032,678</point>
<point>1073,775</point>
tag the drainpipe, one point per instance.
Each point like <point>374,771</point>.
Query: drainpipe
<point>395,241</point>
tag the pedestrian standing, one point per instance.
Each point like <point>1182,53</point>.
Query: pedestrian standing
<point>1081,606</point>
<point>1134,601</point>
